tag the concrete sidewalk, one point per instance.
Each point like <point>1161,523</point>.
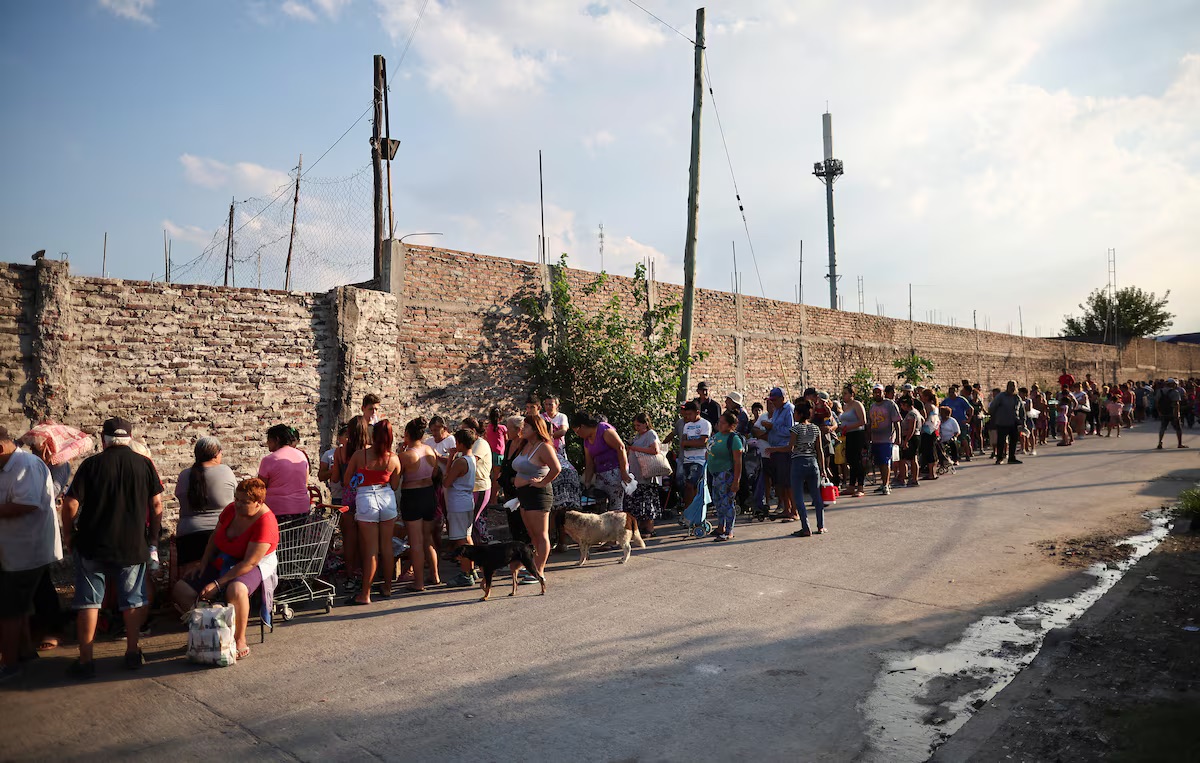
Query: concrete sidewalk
<point>760,647</point>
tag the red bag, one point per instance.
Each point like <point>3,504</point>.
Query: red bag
<point>829,493</point>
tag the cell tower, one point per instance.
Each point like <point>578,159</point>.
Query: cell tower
<point>1110,321</point>
<point>828,171</point>
<point>861,302</point>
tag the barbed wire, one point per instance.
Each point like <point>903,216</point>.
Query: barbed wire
<point>331,247</point>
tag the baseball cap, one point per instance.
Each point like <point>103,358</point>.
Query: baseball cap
<point>877,387</point>
<point>775,392</point>
<point>906,387</point>
<point>1171,381</point>
<point>736,397</point>
<point>809,391</point>
<point>823,395</point>
<point>702,385</point>
<point>117,427</point>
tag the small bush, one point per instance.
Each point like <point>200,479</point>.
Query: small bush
<point>1189,504</point>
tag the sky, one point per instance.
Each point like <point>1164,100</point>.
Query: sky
<point>994,152</point>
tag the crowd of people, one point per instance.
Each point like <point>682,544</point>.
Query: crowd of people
<point>401,502</point>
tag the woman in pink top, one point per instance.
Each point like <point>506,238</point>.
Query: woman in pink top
<point>497,439</point>
<point>285,471</point>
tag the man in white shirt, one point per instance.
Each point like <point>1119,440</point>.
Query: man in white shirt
<point>29,544</point>
<point>693,445</point>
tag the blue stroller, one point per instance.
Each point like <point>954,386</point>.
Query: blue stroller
<point>694,517</point>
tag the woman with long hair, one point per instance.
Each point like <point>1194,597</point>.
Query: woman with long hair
<point>418,502</point>
<point>203,490</point>
<point>536,464</point>
<point>496,435</point>
<point>607,462</point>
<point>376,475</point>
<point>358,437</point>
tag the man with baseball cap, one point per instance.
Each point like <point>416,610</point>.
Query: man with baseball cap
<point>1169,401</point>
<point>883,421</point>
<point>114,495</point>
<point>779,435</point>
<point>710,411</point>
<point>734,405</point>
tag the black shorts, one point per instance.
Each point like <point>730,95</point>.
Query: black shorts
<point>535,498</point>
<point>418,504</point>
<point>190,548</point>
<point>17,590</point>
<point>909,451</point>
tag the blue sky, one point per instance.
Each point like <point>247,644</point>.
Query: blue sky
<point>993,152</point>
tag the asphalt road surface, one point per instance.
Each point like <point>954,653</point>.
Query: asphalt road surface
<point>762,647</point>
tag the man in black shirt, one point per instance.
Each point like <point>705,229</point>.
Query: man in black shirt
<point>710,411</point>
<point>115,496</point>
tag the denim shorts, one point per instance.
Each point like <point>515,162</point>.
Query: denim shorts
<point>690,473</point>
<point>882,453</point>
<point>375,503</point>
<point>90,577</point>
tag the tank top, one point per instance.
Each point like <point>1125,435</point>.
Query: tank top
<point>460,493</point>
<point>373,477</point>
<point>524,466</point>
<point>423,471</point>
<point>604,456</point>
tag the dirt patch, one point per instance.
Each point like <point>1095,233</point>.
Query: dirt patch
<point>1101,547</point>
<point>1127,687</point>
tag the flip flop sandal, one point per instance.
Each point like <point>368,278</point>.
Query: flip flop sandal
<point>243,653</point>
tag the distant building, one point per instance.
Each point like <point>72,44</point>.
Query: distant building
<point>1192,338</point>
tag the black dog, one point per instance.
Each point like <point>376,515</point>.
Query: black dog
<point>494,556</point>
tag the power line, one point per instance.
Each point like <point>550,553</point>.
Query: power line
<point>668,26</point>
<point>733,177</point>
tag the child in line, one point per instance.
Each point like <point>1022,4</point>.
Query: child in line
<point>1115,409</point>
<point>948,433</point>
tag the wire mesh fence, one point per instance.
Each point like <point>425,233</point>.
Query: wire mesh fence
<point>332,244</point>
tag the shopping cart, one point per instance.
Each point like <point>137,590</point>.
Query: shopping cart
<point>302,550</point>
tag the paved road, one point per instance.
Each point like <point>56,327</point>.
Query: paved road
<point>760,647</point>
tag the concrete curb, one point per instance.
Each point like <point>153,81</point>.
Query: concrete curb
<point>968,741</point>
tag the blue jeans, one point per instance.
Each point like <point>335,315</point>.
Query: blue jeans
<point>91,578</point>
<point>723,496</point>
<point>806,477</point>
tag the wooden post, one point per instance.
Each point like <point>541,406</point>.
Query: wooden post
<point>542,203</point>
<point>104,258</point>
<point>229,246</point>
<point>387,130</point>
<point>287,268</point>
<point>377,166</point>
<point>166,259</point>
<point>689,248</point>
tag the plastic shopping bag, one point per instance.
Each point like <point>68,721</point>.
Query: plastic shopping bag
<point>210,635</point>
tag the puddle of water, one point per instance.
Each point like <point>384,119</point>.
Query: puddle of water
<point>920,699</point>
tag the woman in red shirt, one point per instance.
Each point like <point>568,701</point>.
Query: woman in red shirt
<point>240,553</point>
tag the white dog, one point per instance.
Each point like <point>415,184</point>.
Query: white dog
<point>609,527</point>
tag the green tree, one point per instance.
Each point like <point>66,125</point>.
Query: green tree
<point>862,381</point>
<point>1138,313</point>
<point>614,361</point>
<point>913,368</point>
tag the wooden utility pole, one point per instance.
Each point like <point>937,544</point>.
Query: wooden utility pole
<point>542,205</point>
<point>166,258</point>
<point>287,268</point>
<point>229,246</point>
<point>377,165</point>
<point>387,130</point>
<point>689,248</point>
<point>104,258</point>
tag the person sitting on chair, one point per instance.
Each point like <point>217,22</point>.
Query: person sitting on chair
<point>240,559</point>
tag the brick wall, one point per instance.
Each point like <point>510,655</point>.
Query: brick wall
<point>184,361</point>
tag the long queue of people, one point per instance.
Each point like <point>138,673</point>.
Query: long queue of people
<point>402,501</point>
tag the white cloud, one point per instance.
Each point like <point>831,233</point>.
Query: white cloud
<point>310,11</point>
<point>241,177</point>
<point>192,234</point>
<point>598,139</point>
<point>298,10</point>
<point>134,10</point>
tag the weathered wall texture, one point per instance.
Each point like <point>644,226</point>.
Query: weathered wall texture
<point>183,361</point>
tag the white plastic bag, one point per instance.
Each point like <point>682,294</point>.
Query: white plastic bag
<point>630,486</point>
<point>210,635</point>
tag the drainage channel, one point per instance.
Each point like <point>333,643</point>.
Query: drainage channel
<point>921,698</point>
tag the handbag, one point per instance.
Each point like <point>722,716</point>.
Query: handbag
<point>655,465</point>
<point>210,635</point>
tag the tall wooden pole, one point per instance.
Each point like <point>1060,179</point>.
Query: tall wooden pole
<point>287,268</point>
<point>104,258</point>
<point>377,166</point>
<point>542,203</point>
<point>229,246</point>
<point>387,134</point>
<point>689,248</point>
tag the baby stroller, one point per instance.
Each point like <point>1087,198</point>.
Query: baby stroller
<point>694,517</point>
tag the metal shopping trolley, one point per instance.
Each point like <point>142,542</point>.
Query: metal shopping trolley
<point>301,552</point>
